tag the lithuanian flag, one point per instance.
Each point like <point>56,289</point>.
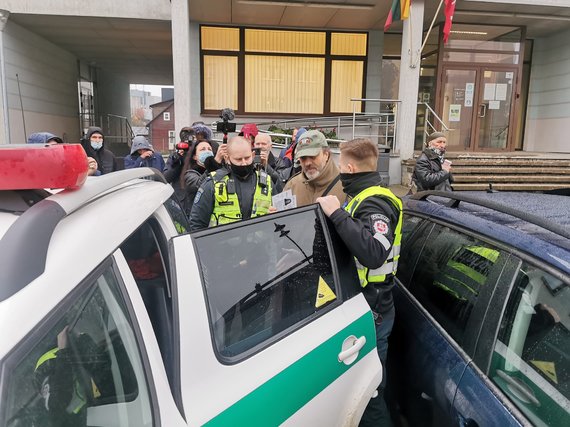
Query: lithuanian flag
<point>400,10</point>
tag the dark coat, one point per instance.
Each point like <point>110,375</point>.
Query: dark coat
<point>106,161</point>
<point>429,175</point>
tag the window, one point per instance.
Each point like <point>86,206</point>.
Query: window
<point>263,278</point>
<point>531,358</point>
<point>281,71</point>
<point>166,116</point>
<point>451,272</point>
<point>86,366</point>
<point>413,235</point>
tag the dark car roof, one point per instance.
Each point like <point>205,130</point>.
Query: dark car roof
<point>538,224</point>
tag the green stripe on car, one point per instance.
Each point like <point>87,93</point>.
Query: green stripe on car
<point>287,392</point>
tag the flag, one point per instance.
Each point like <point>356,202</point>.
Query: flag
<point>448,12</point>
<point>399,11</point>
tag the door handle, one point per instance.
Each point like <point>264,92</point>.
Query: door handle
<point>482,110</point>
<point>518,388</point>
<point>350,348</point>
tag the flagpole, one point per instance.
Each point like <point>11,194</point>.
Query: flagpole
<point>410,50</point>
<point>428,32</point>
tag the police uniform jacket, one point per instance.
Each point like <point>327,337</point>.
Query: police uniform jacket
<point>375,215</point>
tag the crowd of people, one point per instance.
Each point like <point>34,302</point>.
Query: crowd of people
<point>222,183</point>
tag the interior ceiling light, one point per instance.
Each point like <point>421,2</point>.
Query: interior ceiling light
<point>308,4</point>
<point>475,33</point>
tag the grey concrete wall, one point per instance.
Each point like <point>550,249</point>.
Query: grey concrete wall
<point>48,85</point>
<point>548,114</point>
<point>113,95</point>
<point>156,9</point>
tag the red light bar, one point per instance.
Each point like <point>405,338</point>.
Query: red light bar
<point>26,167</point>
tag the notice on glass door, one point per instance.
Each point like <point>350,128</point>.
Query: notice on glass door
<point>469,89</point>
<point>454,112</point>
<point>501,92</point>
<point>489,92</point>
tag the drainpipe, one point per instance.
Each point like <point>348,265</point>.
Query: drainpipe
<point>4,14</point>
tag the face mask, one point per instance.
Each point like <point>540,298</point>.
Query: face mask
<point>204,155</point>
<point>242,171</point>
<point>439,152</point>
<point>96,145</point>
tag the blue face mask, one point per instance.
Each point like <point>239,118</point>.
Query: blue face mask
<point>96,145</point>
<point>204,155</point>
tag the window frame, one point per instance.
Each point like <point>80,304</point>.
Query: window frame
<point>44,326</point>
<point>241,54</point>
<point>342,293</point>
<point>166,116</point>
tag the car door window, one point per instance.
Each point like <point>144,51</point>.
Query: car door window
<point>452,271</point>
<point>84,370</point>
<point>177,215</point>
<point>414,232</point>
<point>531,357</point>
<point>264,277</point>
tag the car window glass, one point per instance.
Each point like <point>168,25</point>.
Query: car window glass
<point>531,358</point>
<point>264,277</point>
<point>413,235</point>
<point>86,370</point>
<point>177,215</point>
<point>451,271</point>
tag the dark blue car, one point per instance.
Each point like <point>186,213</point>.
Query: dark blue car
<point>482,333</point>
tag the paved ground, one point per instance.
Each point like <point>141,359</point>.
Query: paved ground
<point>399,190</point>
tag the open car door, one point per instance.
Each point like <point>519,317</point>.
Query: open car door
<point>273,327</point>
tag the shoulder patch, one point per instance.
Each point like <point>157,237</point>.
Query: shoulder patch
<point>380,226</point>
<point>375,217</point>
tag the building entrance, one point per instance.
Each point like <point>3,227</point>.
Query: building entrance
<point>476,103</point>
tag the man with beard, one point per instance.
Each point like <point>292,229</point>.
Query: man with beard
<point>319,173</point>
<point>432,171</point>
<point>229,195</point>
<point>370,225</point>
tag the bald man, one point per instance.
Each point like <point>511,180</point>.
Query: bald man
<point>233,193</point>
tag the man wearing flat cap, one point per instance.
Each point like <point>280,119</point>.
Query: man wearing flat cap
<point>432,171</point>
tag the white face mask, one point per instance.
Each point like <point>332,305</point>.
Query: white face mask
<point>96,145</point>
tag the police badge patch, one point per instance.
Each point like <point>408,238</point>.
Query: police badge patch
<point>380,226</point>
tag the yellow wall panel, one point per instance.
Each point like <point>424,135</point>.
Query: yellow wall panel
<point>346,83</point>
<point>220,76</point>
<point>275,41</point>
<point>220,38</point>
<point>284,84</point>
<point>348,44</point>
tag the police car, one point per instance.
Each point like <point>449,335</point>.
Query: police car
<point>112,315</point>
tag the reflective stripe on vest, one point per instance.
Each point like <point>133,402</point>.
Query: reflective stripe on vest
<point>226,205</point>
<point>467,271</point>
<point>390,266</point>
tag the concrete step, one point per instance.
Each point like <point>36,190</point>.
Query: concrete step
<point>546,179</point>
<point>527,162</point>
<point>507,187</point>
<point>480,170</point>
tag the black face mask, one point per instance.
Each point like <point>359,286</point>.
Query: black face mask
<point>242,171</point>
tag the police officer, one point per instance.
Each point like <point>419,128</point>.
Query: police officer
<point>370,225</point>
<point>234,193</point>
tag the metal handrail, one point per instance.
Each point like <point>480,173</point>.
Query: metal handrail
<point>430,127</point>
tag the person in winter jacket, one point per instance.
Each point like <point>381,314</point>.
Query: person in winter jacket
<point>175,162</point>
<point>94,145</point>
<point>143,155</point>
<point>193,172</point>
<point>432,172</point>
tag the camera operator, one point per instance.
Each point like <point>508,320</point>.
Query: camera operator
<point>175,161</point>
<point>273,166</point>
<point>194,172</point>
<point>229,195</point>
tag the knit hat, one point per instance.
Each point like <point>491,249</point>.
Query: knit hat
<point>436,135</point>
<point>310,144</point>
<point>249,129</point>
<point>43,138</point>
<point>140,143</point>
<point>203,129</point>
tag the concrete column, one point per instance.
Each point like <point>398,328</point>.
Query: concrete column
<point>4,122</point>
<point>374,70</point>
<point>408,89</point>
<point>181,63</point>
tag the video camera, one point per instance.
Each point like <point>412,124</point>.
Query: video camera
<point>182,146</point>
<point>257,158</point>
<point>226,126</point>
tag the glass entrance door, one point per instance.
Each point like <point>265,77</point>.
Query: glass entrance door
<point>476,105</point>
<point>494,107</point>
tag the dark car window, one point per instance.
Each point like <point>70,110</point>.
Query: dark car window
<point>452,270</point>
<point>414,232</point>
<point>264,277</point>
<point>531,357</point>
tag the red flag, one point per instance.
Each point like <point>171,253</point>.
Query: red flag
<point>448,11</point>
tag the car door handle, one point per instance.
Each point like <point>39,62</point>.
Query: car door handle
<point>518,388</point>
<point>350,348</point>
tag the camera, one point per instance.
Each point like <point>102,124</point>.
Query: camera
<point>182,146</point>
<point>257,157</point>
<point>226,126</point>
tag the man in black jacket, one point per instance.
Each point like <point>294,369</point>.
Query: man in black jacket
<point>93,144</point>
<point>432,171</point>
<point>370,225</point>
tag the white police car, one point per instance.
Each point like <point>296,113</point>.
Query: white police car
<point>111,316</point>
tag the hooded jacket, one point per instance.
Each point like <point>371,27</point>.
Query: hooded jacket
<point>134,160</point>
<point>106,161</point>
<point>429,175</point>
<point>307,190</point>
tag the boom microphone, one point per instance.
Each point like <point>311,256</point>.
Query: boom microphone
<point>227,114</point>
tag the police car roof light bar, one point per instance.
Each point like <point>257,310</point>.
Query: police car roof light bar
<point>26,167</point>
